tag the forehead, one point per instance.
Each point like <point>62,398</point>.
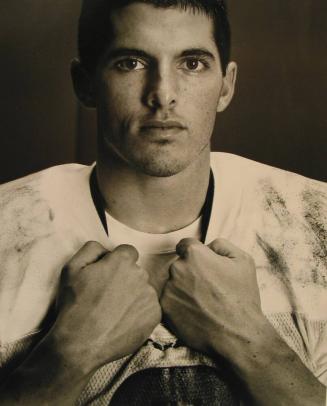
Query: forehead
<point>170,29</point>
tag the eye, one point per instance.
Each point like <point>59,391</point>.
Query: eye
<point>130,64</point>
<point>194,65</point>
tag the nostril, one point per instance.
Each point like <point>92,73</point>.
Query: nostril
<point>154,102</point>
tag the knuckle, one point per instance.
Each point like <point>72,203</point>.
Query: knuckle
<point>68,269</point>
<point>215,244</point>
<point>126,252</point>
<point>142,274</point>
<point>192,247</point>
<point>92,245</point>
<point>220,245</point>
<point>189,246</point>
<point>178,268</point>
<point>124,255</point>
<point>175,269</point>
<point>152,294</point>
<point>165,306</point>
<point>163,301</point>
<point>157,314</point>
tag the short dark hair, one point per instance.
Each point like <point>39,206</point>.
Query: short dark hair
<point>94,32</point>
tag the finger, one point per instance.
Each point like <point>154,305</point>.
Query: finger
<point>166,308</point>
<point>126,252</point>
<point>142,273</point>
<point>90,253</point>
<point>225,248</point>
<point>178,267</point>
<point>157,283</point>
<point>164,298</point>
<point>185,247</point>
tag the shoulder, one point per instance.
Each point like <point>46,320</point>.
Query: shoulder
<point>252,171</point>
<point>281,219</point>
<point>29,206</point>
<point>28,210</point>
<point>34,245</point>
<point>271,188</point>
<point>34,182</point>
<point>32,195</point>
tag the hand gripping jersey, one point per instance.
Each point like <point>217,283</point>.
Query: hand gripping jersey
<point>276,216</point>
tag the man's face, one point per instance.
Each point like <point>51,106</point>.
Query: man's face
<point>158,87</point>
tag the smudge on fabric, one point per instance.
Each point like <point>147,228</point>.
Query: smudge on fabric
<point>317,222</point>
<point>278,265</point>
<point>25,220</point>
<point>275,203</point>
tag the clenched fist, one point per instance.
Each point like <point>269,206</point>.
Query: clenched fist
<point>107,309</point>
<point>211,300</point>
<point>212,303</point>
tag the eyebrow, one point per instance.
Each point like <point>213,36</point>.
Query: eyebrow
<point>121,52</point>
<point>198,52</point>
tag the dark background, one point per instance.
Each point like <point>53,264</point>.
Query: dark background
<point>279,114</point>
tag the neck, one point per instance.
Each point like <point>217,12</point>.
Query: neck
<point>154,204</point>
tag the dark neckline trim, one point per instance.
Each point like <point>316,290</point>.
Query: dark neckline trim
<point>99,204</point>
<point>207,208</point>
<point>98,199</point>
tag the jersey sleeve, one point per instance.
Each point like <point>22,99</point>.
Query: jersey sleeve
<point>14,353</point>
<point>292,252</point>
<point>27,280</point>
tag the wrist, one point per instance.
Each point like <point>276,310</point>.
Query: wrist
<point>75,359</point>
<point>251,347</point>
<point>265,363</point>
<point>46,377</point>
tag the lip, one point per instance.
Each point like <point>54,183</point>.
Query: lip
<point>162,125</point>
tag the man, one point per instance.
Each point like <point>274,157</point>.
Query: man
<point>241,297</point>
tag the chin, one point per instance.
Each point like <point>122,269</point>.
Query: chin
<point>161,168</point>
<point>162,162</point>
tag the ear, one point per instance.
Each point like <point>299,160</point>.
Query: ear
<point>83,84</point>
<point>228,87</point>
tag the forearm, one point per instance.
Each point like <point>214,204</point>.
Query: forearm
<point>272,373</point>
<point>47,377</point>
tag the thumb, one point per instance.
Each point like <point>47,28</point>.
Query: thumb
<point>185,246</point>
<point>224,248</point>
<point>90,253</point>
<point>128,252</point>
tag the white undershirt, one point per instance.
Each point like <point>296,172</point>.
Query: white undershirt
<point>157,251</point>
<point>147,243</point>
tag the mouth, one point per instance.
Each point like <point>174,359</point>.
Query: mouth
<point>162,125</point>
<point>157,130</point>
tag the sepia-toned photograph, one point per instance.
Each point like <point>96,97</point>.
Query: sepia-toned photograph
<point>163,203</point>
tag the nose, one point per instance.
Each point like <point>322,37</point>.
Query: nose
<point>161,90</point>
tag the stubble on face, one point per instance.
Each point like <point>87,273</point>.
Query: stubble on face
<point>123,96</point>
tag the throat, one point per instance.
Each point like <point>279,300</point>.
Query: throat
<point>151,204</point>
<point>155,215</point>
<point>159,211</point>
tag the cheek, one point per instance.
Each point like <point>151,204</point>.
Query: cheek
<point>203,103</point>
<point>117,96</point>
